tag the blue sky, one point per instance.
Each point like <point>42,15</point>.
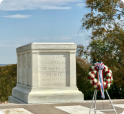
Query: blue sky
<point>26,21</point>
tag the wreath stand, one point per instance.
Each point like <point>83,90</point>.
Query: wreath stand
<point>94,98</point>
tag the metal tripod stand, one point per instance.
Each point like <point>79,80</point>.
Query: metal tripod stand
<point>94,98</point>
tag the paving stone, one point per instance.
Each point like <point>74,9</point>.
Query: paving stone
<point>15,111</point>
<point>77,109</point>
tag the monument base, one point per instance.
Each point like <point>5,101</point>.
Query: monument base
<point>38,96</point>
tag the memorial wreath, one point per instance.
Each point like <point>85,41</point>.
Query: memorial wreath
<point>104,77</point>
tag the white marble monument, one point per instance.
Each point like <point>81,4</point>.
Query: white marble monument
<point>46,73</point>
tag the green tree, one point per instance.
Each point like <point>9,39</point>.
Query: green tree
<point>107,38</point>
<point>83,83</point>
<point>105,22</point>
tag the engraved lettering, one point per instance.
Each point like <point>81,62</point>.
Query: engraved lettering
<point>54,74</point>
<point>52,79</point>
<point>43,68</point>
<point>53,69</point>
<point>51,63</point>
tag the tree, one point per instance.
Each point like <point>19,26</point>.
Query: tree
<point>98,53</point>
<point>105,20</point>
<point>83,83</point>
<point>107,39</point>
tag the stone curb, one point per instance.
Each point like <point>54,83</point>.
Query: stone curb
<point>113,100</point>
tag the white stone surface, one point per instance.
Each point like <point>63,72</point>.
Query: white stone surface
<point>15,111</point>
<point>119,105</point>
<point>77,109</point>
<point>46,73</point>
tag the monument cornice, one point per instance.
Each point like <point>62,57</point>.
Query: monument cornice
<point>47,46</point>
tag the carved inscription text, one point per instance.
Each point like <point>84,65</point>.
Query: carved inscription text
<point>53,69</point>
